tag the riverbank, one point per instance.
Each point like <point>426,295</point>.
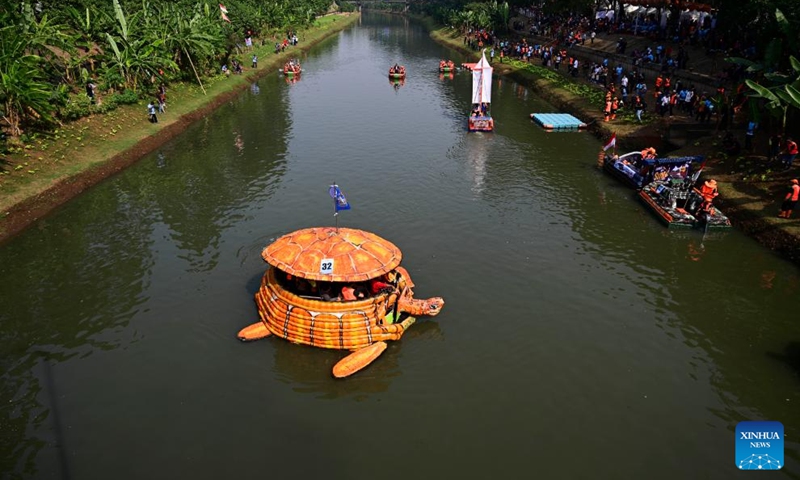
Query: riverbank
<point>750,190</point>
<point>48,170</point>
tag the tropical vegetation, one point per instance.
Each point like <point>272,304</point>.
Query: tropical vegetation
<point>49,50</point>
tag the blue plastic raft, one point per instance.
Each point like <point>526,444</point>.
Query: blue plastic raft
<point>557,121</point>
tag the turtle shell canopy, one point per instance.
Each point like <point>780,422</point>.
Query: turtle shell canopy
<point>333,255</point>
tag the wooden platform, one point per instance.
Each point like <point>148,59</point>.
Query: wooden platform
<point>557,121</point>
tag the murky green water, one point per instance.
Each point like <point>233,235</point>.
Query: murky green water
<point>580,338</point>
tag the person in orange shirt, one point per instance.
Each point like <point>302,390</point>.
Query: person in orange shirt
<point>789,153</point>
<point>709,190</point>
<point>790,200</point>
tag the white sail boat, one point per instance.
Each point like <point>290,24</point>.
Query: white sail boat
<point>480,118</point>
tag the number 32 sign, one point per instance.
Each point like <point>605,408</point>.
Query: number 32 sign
<point>326,266</point>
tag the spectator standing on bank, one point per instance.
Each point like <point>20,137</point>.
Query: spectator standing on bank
<point>774,147</point>
<point>90,91</point>
<point>788,153</point>
<point>790,200</point>
<point>749,134</point>
<point>162,98</point>
<point>638,107</point>
<point>151,110</point>
<point>255,61</point>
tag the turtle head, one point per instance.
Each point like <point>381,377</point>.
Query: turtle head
<point>433,306</point>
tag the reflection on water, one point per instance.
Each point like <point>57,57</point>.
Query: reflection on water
<point>308,370</point>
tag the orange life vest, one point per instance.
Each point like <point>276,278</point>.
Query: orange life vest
<point>347,293</point>
<point>708,193</point>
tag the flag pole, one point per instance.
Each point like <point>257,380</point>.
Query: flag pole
<point>335,209</point>
<point>615,142</point>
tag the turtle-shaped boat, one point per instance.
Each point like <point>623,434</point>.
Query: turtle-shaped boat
<point>337,288</point>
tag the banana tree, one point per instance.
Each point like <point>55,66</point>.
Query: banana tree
<point>185,34</point>
<point>137,61</point>
<point>134,56</point>
<point>24,95</point>
<point>782,97</point>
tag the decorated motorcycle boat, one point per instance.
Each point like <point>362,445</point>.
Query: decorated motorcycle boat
<point>397,72</point>
<point>446,66</point>
<point>480,118</point>
<point>636,170</point>
<point>337,288</point>
<point>677,204</point>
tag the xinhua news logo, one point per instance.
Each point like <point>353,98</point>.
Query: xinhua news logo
<point>759,446</point>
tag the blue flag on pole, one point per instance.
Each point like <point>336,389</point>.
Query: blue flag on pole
<point>338,198</point>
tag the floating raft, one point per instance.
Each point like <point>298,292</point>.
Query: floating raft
<point>557,121</point>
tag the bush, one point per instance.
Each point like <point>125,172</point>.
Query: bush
<point>128,97</point>
<point>77,106</point>
<point>80,105</point>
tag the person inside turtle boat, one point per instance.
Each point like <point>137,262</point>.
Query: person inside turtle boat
<point>328,292</point>
<point>379,285</point>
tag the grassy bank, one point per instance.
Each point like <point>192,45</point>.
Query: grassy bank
<point>49,169</point>
<point>573,96</point>
<point>750,190</point>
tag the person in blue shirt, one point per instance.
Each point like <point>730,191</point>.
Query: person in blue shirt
<point>749,134</point>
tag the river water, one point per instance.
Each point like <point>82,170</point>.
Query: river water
<point>580,338</point>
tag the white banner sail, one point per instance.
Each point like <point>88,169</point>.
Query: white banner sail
<point>482,81</point>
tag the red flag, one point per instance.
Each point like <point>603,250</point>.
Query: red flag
<point>612,142</point>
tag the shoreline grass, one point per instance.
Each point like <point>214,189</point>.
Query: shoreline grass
<point>37,176</point>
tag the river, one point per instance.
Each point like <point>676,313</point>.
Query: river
<point>580,338</point>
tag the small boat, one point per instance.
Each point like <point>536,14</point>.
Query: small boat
<point>480,118</point>
<point>292,67</point>
<point>446,66</point>
<point>320,291</point>
<point>398,72</point>
<point>636,170</point>
<point>679,205</point>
